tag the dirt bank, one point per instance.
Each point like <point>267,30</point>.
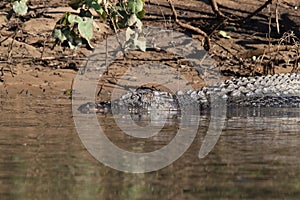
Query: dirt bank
<point>31,68</point>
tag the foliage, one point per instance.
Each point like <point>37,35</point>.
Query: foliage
<point>19,7</point>
<point>74,29</point>
<point>224,34</point>
<point>77,29</point>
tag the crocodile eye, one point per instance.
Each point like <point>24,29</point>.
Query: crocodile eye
<point>149,95</point>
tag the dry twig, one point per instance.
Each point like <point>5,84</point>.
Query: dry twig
<point>190,27</point>
<point>216,10</point>
<point>256,11</point>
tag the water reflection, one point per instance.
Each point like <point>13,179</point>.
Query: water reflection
<point>256,156</point>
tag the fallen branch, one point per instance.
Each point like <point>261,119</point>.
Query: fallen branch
<point>190,27</point>
<point>261,51</point>
<point>256,11</point>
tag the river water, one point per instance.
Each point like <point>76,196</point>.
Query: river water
<point>257,156</point>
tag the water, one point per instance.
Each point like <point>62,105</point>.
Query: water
<point>42,157</point>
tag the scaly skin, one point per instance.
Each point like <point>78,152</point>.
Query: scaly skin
<point>279,90</point>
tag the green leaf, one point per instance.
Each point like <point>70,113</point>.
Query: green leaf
<point>135,6</point>
<point>135,40</point>
<point>20,7</point>
<point>68,92</point>
<point>130,34</point>
<point>74,42</point>
<point>139,24</point>
<point>72,19</point>
<point>73,39</point>
<point>58,34</point>
<point>141,14</point>
<point>224,34</point>
<point>132,20</point>
<point>73,47</point>
<point>96,6</point>
<point>118,7</point>
<point>140,42</point>
<point>64,20</point>
<point>75,4</point>
<point>231,28</point>
<point>86,28</point>
<point>78,19</point>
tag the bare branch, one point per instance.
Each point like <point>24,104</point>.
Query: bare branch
<point>216,10</point>
<point>190,27</point>
<point>256,11</point>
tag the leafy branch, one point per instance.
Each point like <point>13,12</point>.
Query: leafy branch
<point>75,30</point>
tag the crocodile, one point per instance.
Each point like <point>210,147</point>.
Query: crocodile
<point>278,90</point>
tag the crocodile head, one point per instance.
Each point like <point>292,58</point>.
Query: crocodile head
<point>90,107</point>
